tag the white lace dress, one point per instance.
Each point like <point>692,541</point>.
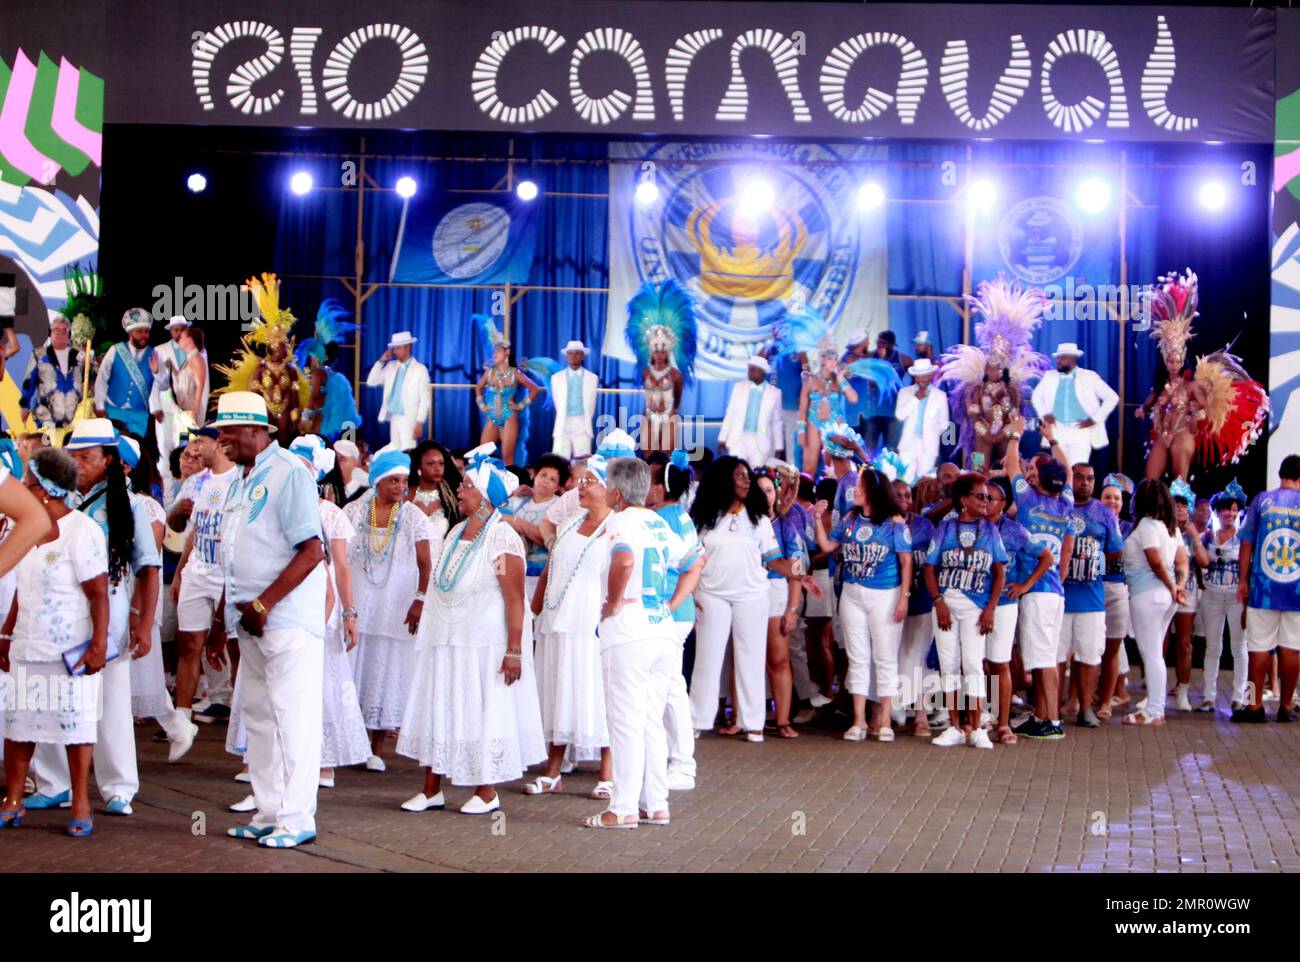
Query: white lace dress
<point>570,679</point>
<point>343,739</point>
<point>383,587</point>
<point>462,719</point>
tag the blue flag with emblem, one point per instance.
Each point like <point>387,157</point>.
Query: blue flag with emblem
<point>447,239</point>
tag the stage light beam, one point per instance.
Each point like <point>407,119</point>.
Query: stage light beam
<point>196,183</point>
<point>1093,195</point>
<point>647,192</point>
<point>982,194</point>
<point>870,196</point>
<point>526,190</point>
<point>757,196</point>
<point>1213,195</point>
<point>301,183</point>
<point>405,187</point>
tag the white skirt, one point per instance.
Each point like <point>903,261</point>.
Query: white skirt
<point>45,705</point>
<point>383,672</point>
<point>823,607</point>
<point>344,739</point>
<point>465,723</point>
<point>149,698</point>
<point>571,689</point>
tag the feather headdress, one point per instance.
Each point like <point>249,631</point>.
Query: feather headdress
<point>1173,308</point>
<point>804,331</point>
<point>275,326</point>
<point>881,375</point>
<point>662,317</point>
<point>330,329</point>
<point>492,336</point>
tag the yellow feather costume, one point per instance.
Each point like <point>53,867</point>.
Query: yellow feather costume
<point>272,329</point>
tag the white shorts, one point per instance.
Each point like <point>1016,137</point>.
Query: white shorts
<point>823,607</point>
<point>998,647</point>
<point>1040,628</point>
<point>1119,621</point>
<point>197,606</point>
<point>1084,633</point>
<point>1267,629</point>
<point>1189,607</point>
<point>778,593</point>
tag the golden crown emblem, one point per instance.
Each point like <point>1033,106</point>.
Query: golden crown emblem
<point>753,266</point>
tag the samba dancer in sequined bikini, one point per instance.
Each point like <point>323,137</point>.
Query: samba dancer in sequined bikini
<point>496,390</point>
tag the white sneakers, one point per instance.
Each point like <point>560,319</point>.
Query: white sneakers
<point>950,738</point>
<point>819,700</point>
<point>179,747</point>
<point>375,764</point>
<point>247,805</point>
<point>1184,703</point>
<point>423,802</point>
<point>979,738</point>
<point>680,782</point>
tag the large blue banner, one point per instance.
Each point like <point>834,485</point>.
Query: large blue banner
<point>450,240</point>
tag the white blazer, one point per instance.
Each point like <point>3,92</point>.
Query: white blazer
<point>560,397</point>
<point>1095,396</point>
<point>415,389</point>
<point>937,416</point>
<point>770,424</point>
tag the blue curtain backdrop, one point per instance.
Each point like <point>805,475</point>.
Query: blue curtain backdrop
<point>316,234</point>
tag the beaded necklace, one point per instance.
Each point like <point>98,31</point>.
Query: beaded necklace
<point>376,556</point>
<point>577,566</point>
<point>447,584</point>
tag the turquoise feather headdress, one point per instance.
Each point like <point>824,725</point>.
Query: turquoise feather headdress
<point>330,329</point>
<point>492,336</point>
<point>662,317</point>
<point>805,331</point>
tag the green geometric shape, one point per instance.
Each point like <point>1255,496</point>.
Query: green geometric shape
<point>1287,128</point>
<point>39,119</point>
<point>90,101</point>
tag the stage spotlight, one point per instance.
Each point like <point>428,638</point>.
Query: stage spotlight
<point>197,183</point>
<point>526,190</point>
<point>405,187</point>
<point>300,183</point>
<point>870,196</point>
<point>1093,195</point>
<point>647,192</point>
<point>756,196</point>
<point>982,194</point>
<point>1212,195</point>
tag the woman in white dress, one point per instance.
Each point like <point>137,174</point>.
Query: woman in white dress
<point>567,605</point>
<point>472,714</point>
<point>60,608</point>
<point>391,562</point>
<point>550,475</point>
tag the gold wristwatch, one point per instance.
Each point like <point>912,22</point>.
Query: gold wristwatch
<point>258,606</point>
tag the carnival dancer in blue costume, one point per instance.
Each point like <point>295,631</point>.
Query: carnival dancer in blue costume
<point>661,328</point>
<point>126,375</point>
<point>332,408</point>
<point>497,389</point>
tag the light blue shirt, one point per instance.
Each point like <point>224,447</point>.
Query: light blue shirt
<point>269,512</point>
<point>395,402</point>
<point>1066,407</point>
<point>573,402</point>
<point>920,414</point>
<point>753,407</point>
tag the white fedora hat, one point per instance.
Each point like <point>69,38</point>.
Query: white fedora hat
<point>576,346</point>
<point>178,320</point>
<point>1070,348</point>
<point>760,362</point>
<point>92,433</point>
<point>922,367</point>
<point>242,407</point>
<point>402,339</point>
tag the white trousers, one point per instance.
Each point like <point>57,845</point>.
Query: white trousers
<point>745,622</point>
<point>283,674</point>
<point>919,453</point>
<point>1221,606</point>
<point>677,713</point>
<point>574,439</point>
<point>918,632</point>
<point>401,431</point>
<point>804,686</point>
<point>1152,612</point>
<point>752,447</point>
<point>961,647</point>
<point>116,773</point>
<point>637,676</point>
<point>1076,442</point>
<point>871,640</point>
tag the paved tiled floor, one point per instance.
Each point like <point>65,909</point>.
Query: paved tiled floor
<point>1197,795</point>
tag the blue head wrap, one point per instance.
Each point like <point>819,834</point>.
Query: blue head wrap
<point>1181,489</point>
<point>489,475</point>
<point>1233,492</point>
<point>71,498</point>
<point>680,459</point>
<point>10,458</point>
<point>1117,480</point>
<point>598,465</point>
<point>129,451</point>
<point>389,464</point>
<point>617,444</point>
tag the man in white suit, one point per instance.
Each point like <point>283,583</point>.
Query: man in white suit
<point>753,429</point>
<point>406,391</point>
<point>573,392</point>
<point>923,410</point>
<point>1077,402</point>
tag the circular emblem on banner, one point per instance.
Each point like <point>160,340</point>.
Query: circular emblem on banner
<point>470,239</point>
<point>1281,551</point>
<point>752,239</point>
<point>1040,239</point>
